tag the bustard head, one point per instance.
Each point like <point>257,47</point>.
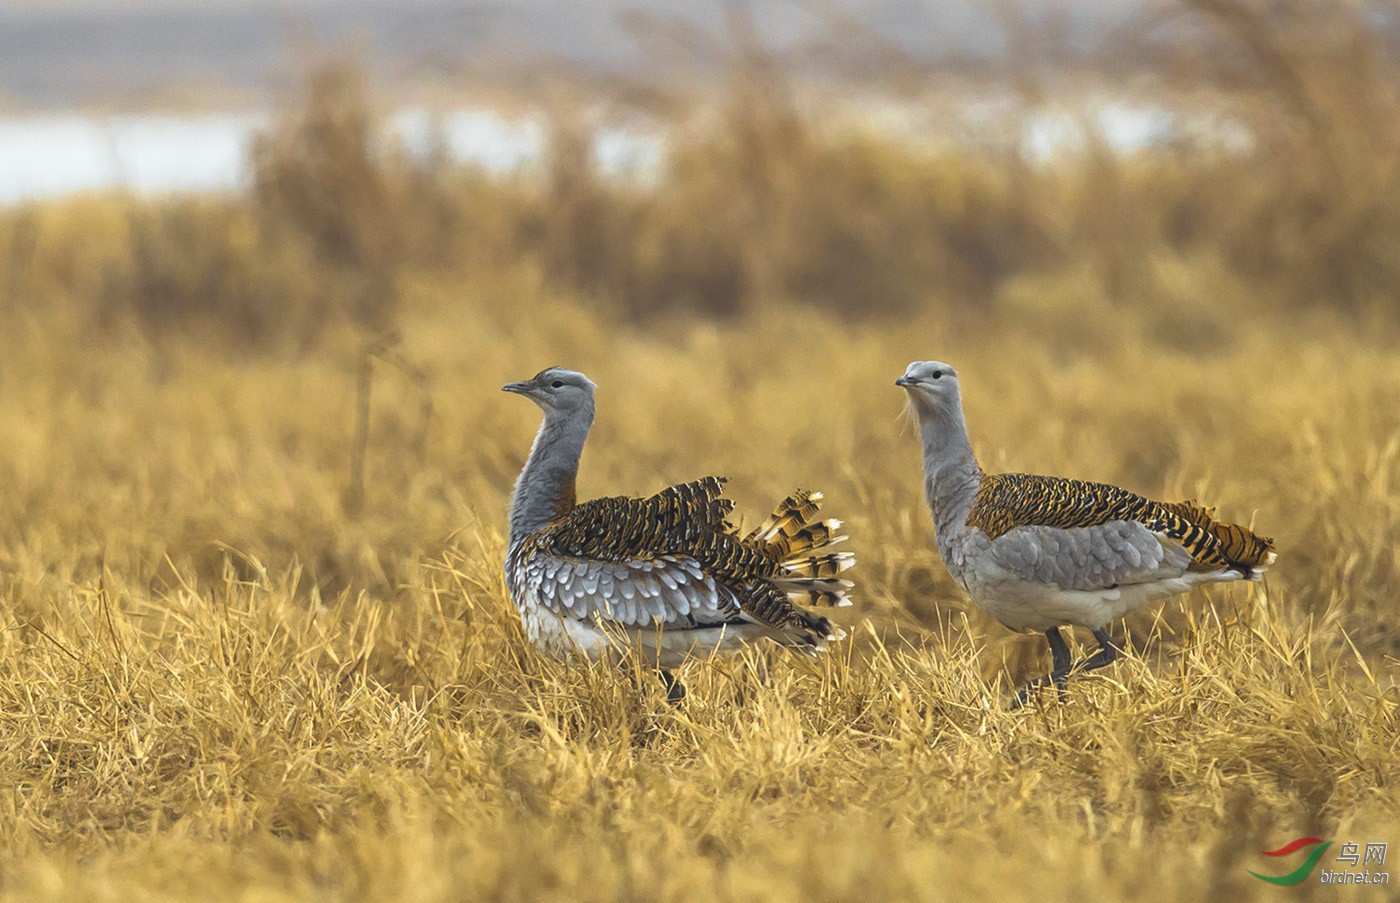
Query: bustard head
<point>930,385</point>
<point>556,390</point>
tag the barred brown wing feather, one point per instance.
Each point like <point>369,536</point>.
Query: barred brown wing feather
<point>697,503</point>
<point>1010,500</point>
<point>672,559</point>
<point>1007,501</point>
<point>667,559</point>
<point>619,528</point>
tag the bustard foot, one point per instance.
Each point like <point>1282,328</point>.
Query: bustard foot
<point>1059,656</point>
<point>675,690</point>
<point>1056,679</point>
<point>1105,655</point>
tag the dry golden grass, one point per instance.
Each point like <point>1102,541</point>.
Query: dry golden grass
<point>235,669</point>
<point>219,684</point>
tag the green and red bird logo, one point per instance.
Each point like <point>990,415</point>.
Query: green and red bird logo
<point>1301,873</point>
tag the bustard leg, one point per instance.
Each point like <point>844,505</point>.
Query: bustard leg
<point>675,690</point>
<point>1106,655</point>
<point>1059,669</point>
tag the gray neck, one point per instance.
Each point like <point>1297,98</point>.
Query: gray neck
<point>951,473</point>
<point>545,489</point>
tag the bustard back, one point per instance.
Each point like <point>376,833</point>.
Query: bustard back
<point>668,574</point>
<point>1038,553</point>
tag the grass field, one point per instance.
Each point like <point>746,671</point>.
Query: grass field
<point>254,467</point>
<point>219,683</point>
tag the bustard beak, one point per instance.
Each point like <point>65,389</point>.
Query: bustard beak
<point>518,388</point>
<point>905,382</point>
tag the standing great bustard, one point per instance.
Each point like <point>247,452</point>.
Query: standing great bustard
<point>666,575</point>
<point>1038,553</point>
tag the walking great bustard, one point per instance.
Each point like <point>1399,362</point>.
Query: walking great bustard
<point>1038,553</point>
<point>665,575</point>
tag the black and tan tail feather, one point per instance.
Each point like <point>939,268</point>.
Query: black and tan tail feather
<point>818,566</point>
<point>822,594</point>
<point>1232,545</point>
<point>793,527</point>
<point>790,536</point>
<point>766,604</point>
<point>810,537</point>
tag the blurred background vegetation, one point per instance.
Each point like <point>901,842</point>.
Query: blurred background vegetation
<point>769,190</point>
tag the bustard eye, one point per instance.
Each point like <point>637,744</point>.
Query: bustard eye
<point>558,384</point>
<point>937,374</point>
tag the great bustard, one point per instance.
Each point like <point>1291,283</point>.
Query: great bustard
<point>666,575</point>
<point>1038,553</point>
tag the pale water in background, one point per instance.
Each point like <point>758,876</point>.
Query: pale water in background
<point>51,155</point>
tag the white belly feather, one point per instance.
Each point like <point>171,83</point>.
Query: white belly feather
<point>566,638</point>
<point>1025,605</point>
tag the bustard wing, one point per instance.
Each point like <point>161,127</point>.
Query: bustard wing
<point>1080,535</point>
<point>636,562</point>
